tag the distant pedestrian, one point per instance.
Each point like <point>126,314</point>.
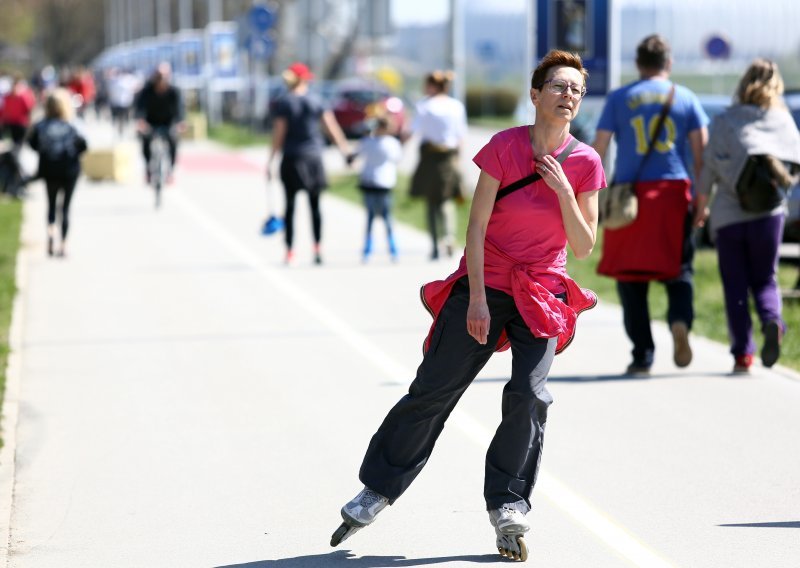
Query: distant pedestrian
<point>60,146</point>
<point>748,237</point>
<point>441,124</point>
<point>122,87</point>
<point>658,245</point>
<point>511,289</point>
<point>15,113</point>
<point>380,151</point>
<point>299,118</point>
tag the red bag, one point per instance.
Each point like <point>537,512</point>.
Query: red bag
<point>651,247</point>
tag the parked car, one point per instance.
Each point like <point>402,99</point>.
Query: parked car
<point>355,102</point>
<point>791,230</point>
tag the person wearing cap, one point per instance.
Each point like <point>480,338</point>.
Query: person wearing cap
<point>298,122</point>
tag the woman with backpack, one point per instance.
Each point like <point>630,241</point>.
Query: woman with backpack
<point>747,236</point>
<point>59,145</point>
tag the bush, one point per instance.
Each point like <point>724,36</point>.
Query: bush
<point>491,101</point>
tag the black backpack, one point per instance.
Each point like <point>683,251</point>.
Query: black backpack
<point>764,182</point>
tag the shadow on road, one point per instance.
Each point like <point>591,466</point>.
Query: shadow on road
<point>347,558</point>
<point>784,525</point>
<point>615,377</point>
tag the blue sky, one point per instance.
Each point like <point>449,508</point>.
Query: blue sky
<point>405,12</point>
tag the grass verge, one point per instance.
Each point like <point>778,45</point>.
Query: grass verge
<point>709,305</point>
<point>10,222</point>
<point>237,136</point>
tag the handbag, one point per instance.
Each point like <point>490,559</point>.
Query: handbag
<point>535,176</point>
<point>763,183</point>
<point>618,205</point>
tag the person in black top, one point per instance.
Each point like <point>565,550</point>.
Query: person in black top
<point>60,146</point>
<point>159,105</point>
<point>296,133</point>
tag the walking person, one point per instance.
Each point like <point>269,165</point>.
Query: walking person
<point>658,246</point>
<point>511,289</point>
<point>381,152</point>
<point>747,237</point>
<point>122,87</point>
<point>15,117</point>
<point>16,110</point>
<point>441,124</point>
<point>299,118</point>
<point>60,146</point>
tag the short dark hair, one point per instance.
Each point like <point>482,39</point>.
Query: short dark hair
<point>653,53</point>
<point>557,58</point>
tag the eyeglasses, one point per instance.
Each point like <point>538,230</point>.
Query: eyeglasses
<point>559,87</point>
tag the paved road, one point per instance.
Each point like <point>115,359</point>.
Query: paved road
<point>185,400</point>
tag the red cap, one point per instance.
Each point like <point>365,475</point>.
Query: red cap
<point>301,70</point>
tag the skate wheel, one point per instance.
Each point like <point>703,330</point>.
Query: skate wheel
<point>339,534</point>
<point>523,549</point>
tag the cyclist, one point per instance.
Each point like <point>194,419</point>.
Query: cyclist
<point>159,105</point>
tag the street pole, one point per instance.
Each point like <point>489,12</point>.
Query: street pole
<point>109,20</point>
<point>146,18</point>
<point>214,11</point>
<point>131,13</point>
<point>457,48</point>
<point>185,15</point>
<point>163,17</point>
<point>529,59</point>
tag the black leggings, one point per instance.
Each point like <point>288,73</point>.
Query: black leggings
<point>54,187</point>
<point>316,216</point>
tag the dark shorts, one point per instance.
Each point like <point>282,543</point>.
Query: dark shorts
<point>303,172</point>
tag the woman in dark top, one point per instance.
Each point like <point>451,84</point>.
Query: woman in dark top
<point>297,134</point>
<point>60,146</point>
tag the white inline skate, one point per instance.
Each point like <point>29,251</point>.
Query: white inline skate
<point>358,513</point>
<point>510,527</point>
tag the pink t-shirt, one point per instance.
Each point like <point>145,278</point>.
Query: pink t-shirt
<point>527,225</point>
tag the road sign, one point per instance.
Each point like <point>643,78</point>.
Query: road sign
<point>261,19</point>
<point>717,47</point>
<point>259,46</point>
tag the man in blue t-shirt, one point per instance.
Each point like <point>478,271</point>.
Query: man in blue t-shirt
<point>631,115</point>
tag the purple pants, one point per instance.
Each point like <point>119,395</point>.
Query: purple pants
<point>748,262</point>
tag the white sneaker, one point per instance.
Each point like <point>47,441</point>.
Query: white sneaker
<point>508,521</point>
<point>364,507</point>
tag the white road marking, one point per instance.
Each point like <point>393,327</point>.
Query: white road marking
<point>609,532</point>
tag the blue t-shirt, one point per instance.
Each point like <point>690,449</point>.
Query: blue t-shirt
<point>631,113</point>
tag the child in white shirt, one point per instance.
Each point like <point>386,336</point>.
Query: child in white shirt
<point>381,153</point>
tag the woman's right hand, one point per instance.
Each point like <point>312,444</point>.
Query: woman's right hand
<point>478,320</point>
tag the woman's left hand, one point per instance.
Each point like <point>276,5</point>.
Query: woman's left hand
<point>553,175</point>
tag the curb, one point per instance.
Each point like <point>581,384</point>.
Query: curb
<point>10,408</point>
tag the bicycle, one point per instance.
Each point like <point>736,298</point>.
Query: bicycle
<point>159,166</point>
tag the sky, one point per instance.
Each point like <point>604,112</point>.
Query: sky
<point>406,12</point>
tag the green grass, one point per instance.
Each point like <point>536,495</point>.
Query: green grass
<point>237,136</point>
<point>709,306</point>
<point>493,122</point>
<point>10,221</point>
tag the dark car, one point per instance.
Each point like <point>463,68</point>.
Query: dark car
<point>355,103</point>
<point>791,231</point>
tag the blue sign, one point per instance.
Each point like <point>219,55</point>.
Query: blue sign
<point>717,47</point>
<point>486,50</point>
<point>580,26</point>
<point>224,54</point>
<point>259,46</point>
<point>190,57</point>
<point>261,19</point>
<point>166,52</point>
